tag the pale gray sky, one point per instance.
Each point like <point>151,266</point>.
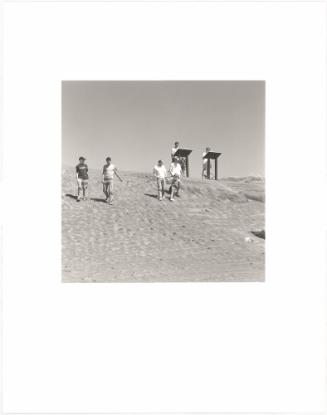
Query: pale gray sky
<point>136,123</point>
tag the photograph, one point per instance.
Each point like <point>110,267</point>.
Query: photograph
<point>176,152</point>
<point>163,181</point>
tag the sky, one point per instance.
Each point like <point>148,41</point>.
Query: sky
<point>137,122</point>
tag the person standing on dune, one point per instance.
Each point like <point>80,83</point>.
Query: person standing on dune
<point>160,173</point>
<point>181,160</point>
<point>82,178</point>
<point>174,149</point>
<point>205,164</point>
<point>108,172</point>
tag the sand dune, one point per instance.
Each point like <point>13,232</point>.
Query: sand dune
<point>206,235</point>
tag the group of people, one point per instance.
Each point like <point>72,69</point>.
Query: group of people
<point>182,160</point>
<point>161,175</point>
<point>109,171</point>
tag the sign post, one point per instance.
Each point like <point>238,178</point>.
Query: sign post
<point>211,155</point>
<point>184,153</point>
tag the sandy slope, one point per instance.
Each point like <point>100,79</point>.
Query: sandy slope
<point>200,237</point>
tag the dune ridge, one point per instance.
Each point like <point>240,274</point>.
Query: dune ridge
<point>206,235</point>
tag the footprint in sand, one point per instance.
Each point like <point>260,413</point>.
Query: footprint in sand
<point>132,228</point>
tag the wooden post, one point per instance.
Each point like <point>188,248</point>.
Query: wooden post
<point>211,155</point>
<point>184,153</point>
<point>208,169</point>
<point>187,167</point>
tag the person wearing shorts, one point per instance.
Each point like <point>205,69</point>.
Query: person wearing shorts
<point>108,173</point>
<point>205,164</point>
<point>160,173</point>
<point>181,160</point>
<point>82,178</point>
<point>176,173</point>
<point>175,185</point>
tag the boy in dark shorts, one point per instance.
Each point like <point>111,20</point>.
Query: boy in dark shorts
<point>82,178</point>
<point>175,186</point>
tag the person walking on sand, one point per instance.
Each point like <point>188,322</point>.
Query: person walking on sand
<point>82,178</point>
<point>205,164</point>
<point>176,174</point>
<point>108,172</point>
<point>160,173</point>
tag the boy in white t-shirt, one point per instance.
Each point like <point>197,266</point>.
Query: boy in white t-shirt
<point>176,173</point>
<point>181,160</point>
<point>160,173</point>
<point>108,172</point>
<point>174,149</point>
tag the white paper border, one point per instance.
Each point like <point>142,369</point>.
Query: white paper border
<point>194,291</point>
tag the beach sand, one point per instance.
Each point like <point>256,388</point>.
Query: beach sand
<point>206,235</point>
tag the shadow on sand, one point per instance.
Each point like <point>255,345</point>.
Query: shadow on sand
<point>259,234</point>
<point>150,195</point>
<point>95,199</point>
<point>71,196</point>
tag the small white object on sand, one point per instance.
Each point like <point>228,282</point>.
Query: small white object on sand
<point>248,239</point>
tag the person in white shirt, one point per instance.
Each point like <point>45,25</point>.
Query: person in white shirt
<point>176,174</point>
<point>205,164</point>
<point>160,173</point>
<point>108,172</point>
<point>181,160</point>
<point>174,149</point>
